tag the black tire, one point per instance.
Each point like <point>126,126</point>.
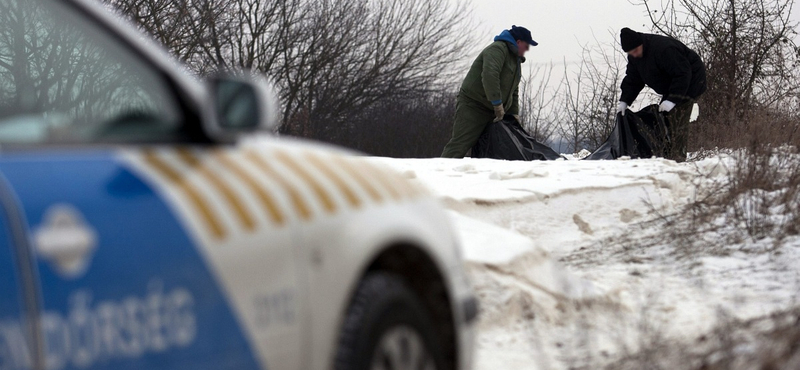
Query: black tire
<point>384,312</point>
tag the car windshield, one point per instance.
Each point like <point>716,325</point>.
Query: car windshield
<point>65,80</point>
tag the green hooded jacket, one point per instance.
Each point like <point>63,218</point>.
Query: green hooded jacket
<point>495,75</point>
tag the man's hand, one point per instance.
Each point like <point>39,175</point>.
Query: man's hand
<point>622,107</point>
<point>666,106</point>
<point>499,113</point>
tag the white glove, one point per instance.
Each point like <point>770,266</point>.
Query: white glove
<point>666,106</point>
<point>622,107</point>
<point>499,113</point>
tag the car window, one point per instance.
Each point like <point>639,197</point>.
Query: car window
<point>65,80</point>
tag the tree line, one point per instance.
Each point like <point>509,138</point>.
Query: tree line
<point>342,66</point>
<point>381,76</point>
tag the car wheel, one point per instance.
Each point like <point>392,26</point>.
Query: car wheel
<point>387,328</point>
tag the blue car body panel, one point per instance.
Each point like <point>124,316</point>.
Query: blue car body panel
<point>13,340</point>
<point>147,299</point>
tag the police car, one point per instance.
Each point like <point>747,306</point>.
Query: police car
<point>139,230</point>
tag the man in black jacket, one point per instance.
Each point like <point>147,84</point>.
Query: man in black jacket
<point>671,69</point>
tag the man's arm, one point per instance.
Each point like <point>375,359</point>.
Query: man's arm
<point>515,103</point>
<point>679,70</point>
<point>493,58</point>
<point>631,85</point>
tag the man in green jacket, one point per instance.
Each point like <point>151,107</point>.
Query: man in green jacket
<point>490,90</point>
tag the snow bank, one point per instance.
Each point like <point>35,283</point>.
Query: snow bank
<point>543,242</point>
<point>497,249</point>
<point>557,204</point>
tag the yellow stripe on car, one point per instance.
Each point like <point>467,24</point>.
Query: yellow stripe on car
<point>319,190</point>
<point>268,203</point>
<point>175,177</point>
<point>357,174</point>
<point>298,202</point>
<point>351,196</point>
<point>377,175</point>
<point>188,157</point>
<point>225,188</point>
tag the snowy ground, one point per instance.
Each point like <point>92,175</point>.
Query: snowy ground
<point>569,273</point>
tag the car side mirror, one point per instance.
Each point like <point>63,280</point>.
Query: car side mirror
<point>243,104</point>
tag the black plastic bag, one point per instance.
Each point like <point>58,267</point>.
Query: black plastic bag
<point>506,139</point>
<point>642,134</point>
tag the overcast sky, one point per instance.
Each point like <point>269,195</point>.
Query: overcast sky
<point>561,26</point>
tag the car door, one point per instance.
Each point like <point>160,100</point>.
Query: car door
<point>17,325</point>
<point>149,256</point>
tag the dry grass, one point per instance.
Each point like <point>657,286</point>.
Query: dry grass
<point>759,196</point>
<point>760,126</point>
<point>754,207</point>
<point>766,343</point>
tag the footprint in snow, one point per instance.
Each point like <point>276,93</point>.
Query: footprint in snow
<point>583,226</point>
<point>627,215</point>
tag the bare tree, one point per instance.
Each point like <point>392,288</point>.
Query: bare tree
<point>49,67</point>
<point>184,26</point>
<point>573,126</point>
<point>605,68</point>
<point>330,58</point>
<point>589,97</point>
<point>538,101</point>
<point>751,59</point>
<point>378,49</point>
<point>416,126</point>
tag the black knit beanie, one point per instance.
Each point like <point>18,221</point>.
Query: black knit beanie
<point>630,39</point>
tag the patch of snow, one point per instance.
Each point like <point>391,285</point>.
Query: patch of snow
<point>564,264</point>
<point>486,243</point>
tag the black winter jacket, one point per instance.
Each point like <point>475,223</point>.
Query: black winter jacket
<point>669,67</point>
